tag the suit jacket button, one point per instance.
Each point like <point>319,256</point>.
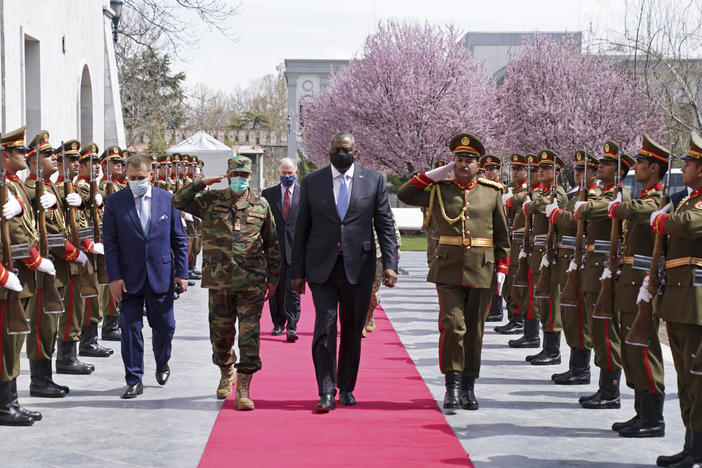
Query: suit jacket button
<point>633,283</point>
<point>679,283</point>
<point>597,263</point>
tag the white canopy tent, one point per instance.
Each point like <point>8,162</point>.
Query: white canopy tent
<point>211,151</point>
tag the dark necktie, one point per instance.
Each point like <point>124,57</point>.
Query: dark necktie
<point>286,203</point>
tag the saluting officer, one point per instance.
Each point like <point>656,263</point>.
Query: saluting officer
<point>681,306</point>
<point>473,242</point>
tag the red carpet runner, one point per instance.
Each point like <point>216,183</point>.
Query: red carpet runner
<point>396,422</point>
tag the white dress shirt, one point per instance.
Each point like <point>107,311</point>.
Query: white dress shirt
<point>146,202</point>
<point>336,181</point>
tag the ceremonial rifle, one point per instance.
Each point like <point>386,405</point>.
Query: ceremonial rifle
<point>17,322</point>
<point>179,181</point>
<point>521,278</point>
<point>100,265</point>
<point>604,307</point>
<point>109,185</point>
<point>640,332</point>
<point>571,291</point>
<point>543,286</point>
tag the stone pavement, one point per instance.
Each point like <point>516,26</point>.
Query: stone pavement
<point>524,420</point>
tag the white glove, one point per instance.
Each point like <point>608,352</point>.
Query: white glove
<point>440,172</point>
<point>544,261</point>
<point>507,195</point>
<point>663,210</point>
<point>98,248</point>
<point>527,199</point>
<point>188,217</point>
<point>182,221</point>
<point>98,199</point>
<point>572,267</point>
<point>578,204</point>
<point>47,200</point>
<point>13,282</point>
<point>73,199</point>
<point>551,207</point>
<point>12,207</point>
<point>618,199</point>
<point>47,266</point>
<point>606,273</point>
<point>644,295</point>
<point>522,254</point>
<point>82,258</point>
<point>500,283</point>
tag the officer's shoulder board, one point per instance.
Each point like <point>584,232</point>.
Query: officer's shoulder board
<point>698,205</point>
<point>490,183</point>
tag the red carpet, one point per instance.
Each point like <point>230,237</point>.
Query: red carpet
<point>396,422</point>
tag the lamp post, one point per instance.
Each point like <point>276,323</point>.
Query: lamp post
<point>116,6</point>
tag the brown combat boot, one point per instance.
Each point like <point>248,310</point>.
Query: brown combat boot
<point>370,322</point>
<point>224,389</point>
<point>243,402</point>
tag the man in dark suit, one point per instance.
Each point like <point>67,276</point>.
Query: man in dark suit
<point>283,199</point>
<point>334,251</point>
<point>146,252</point>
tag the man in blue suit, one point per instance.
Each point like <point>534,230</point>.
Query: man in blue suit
<point>146,252</point>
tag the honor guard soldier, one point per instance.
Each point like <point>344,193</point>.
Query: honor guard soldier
<point>473,242</point>
<point>541,263</point>
<point>528,307</point>
<point>576,326</point>
<point>175,172</point>
<point>491,165</point>
<point>241,267</point>
<point>515,219</point>
<point>164,169</point>
<point>643,368</point>
<point>18,212</point>
<point>681,306</point>
<point>197,241</point>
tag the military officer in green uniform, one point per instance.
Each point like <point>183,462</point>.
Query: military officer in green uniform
<point>574,316</point>
<point>473,242</point>
<point>681,306</point>
<point>491,164</point>
<point>550,165</point>
<point>241,265</point>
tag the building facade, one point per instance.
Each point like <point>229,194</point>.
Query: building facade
<point>58,70</point>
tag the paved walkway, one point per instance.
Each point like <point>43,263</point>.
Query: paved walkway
<point>523,420</point>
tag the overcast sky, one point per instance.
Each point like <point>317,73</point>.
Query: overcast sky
<point>269,31</point>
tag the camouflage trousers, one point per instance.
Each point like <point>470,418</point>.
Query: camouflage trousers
<point>226,307</point>
<point>375,292</point>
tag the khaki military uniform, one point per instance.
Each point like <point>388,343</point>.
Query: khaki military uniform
<point>516,217</point>
<point>241,256</point>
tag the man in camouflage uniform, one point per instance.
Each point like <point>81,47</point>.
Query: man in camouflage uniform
<point>473,242</point>
<point>681,306</point>
<point>515,219</point>
<point>575,323</point>
<point>241,265</point>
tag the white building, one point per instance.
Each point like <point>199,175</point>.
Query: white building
<point>58,70</point>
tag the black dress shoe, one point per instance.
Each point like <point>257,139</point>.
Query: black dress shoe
<point>292,336</point>
<point>132,391</point>
<point>326,403</point>
<point>95,350</point>
<point>277,331</point>
<point>347,399</point>
<point>162,374</point>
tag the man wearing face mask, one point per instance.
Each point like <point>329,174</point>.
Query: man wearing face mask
<point>146,253</point>
<point>240,267</point>
<point>333,249</point>
<point>283,199</point>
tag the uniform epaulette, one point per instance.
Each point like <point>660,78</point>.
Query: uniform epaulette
<point>490,183</point>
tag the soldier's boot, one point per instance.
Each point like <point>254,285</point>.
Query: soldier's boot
<point>594,395</point>
<point>693,459</point>
<point>89,345</point>
<point>651,422</point>
<point>515,326</point>
<point>110,328</point>
<point>370,321</point>
<point>552,351</point>
<point>608,397</point>
<point>468,400</point>
<point>40,384</point>
<point>9,414</point>
<point>495,314</point>
<point>34,415</point>
<point>452,398</point>
<point>530,338</point>
<point>618,426</point>
<point>192,274</point>
<point>67,361</point>
<point>579,369</point>
<point>243,401</point>
<point>47,369</point>
<point>667,460</point>
<point>224,389</point>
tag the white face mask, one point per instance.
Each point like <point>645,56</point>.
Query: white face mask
<point>139,187</point>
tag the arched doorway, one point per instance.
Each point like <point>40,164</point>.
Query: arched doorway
<point>86,107</point>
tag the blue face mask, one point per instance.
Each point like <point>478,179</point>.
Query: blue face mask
<point>238,184</point>
<point>139,187</point>
<point>287,181</point>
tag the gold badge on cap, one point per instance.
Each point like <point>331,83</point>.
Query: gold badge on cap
<point>544,155</point>
<point>606,147</point>
<point>74,146</point>
<point>465,141</point>
<point>515,158</point>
